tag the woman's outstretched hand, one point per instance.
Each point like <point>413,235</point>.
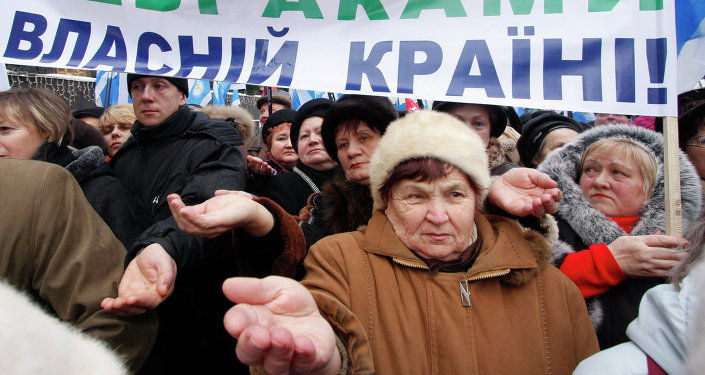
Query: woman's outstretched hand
<point>278,326</point>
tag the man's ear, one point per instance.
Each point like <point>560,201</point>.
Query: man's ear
<point>183,99</point>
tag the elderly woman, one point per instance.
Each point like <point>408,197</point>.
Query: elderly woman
<point>430,286</point>
<point>612,217</point>
<point>115,125</point>
<point>35,124</point>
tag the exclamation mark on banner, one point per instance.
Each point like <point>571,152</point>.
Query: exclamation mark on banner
<point>656,59</point>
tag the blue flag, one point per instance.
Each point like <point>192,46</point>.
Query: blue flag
<point>690,36</point>
<point>199,92</point>
<point>111,89</point>
<point>299,97</point>
<point>220,92</point>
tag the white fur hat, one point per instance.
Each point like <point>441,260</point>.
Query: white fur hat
<point>429,134</point>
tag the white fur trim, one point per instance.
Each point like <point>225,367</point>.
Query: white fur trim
<point>32,342</point>
<point>429,134</point>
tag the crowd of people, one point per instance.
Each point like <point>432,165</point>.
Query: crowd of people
<point>462,238</point>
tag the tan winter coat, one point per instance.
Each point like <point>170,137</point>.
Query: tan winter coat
<point>525,316</point>
<point>55,247</point>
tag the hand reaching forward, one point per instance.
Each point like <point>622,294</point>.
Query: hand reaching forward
<point>224,212</point>
<point>525,191</point>
<point>278,326</point>
<point>647,256</point>
<point>258,166</point>
<point>148,280</point>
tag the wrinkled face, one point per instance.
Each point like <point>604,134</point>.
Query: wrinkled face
<point>554,140</point>
<point>115,135</point>
<point>155,99</point>
<point>281,149</point>
<point>613,184</point>
<point>18,141</point>
<point>264,111</point>
<point>310,145</point>
<point>476,117</point>
<point>355,148</point>
<point>696,150</point>
<point>610,118</point>
<point>434,219</point>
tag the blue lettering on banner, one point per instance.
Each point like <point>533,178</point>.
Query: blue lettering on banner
<point>144,42</point>
<point>408,68</point>
<point>237,59</point>
<point>189,59</point>
<point>83,33</point>
<point>358,65</point>
<point>285,59</point>
<point>113,38</point>
<point>18,35</point>
<point>521,72</point>
<point>656,59</point>
<point>589,68</point>
<point>487,79</point>
<point>624,70</point>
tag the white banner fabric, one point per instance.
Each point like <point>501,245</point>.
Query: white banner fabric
<point>616,56</point>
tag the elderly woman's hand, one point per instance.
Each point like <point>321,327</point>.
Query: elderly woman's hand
<point>647,256</point>
<point>278,326</point>
<point>224,212</point>
<point>525,191</point>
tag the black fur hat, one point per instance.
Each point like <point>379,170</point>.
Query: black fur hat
<point>312,108</point>
<point>375,111</point>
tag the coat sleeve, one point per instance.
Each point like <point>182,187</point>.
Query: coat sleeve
<point>76,262</point>
<point>213,165</point>
<point>326,279</point>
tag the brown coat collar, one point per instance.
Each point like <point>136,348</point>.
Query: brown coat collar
<point>507,249</point>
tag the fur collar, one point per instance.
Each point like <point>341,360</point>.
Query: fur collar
<point>346,205</point>
<point>592,226</point>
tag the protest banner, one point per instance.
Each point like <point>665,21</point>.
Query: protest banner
<point>615,56</point>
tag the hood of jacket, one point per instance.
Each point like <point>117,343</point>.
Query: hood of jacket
<point>563,165</point>
<point>507,251</point>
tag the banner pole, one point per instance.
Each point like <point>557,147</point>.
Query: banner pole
<point>672,177</point>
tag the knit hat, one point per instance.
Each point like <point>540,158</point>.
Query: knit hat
<point>375,111</point>
<point>276,118</point>
<point>536,129</point>
<point>279,96</point>
<point>429,134</point>
<point>180,83</point>
<point>498,118</point>
<point>312,108</point>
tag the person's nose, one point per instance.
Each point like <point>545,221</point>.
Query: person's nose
<point>437,211</point>
<point>148,93</point>
<point>602,180</point>
<point>315,138</point>
<point>354,150</point>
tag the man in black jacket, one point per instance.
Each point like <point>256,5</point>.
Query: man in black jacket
<point>175,150</point>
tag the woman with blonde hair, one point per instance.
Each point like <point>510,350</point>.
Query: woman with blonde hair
<point>115,125</point>
<point>612,217</point>
<point>36,124</point>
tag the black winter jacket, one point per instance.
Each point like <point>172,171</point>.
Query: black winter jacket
<point>290,190</point>
<point>115,204</point>
<point>188,154</point>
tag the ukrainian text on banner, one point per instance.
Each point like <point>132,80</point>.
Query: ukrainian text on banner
<point>585,55</point>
